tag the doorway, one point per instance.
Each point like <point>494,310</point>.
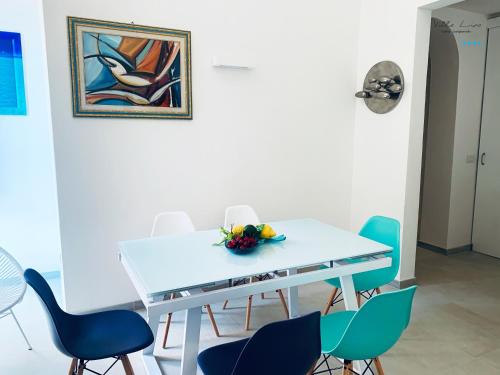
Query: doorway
<point>452,217</point>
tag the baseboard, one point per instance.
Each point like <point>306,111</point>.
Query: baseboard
<point>403,284</point>
<point>443,251</point>
<point>133,306</point>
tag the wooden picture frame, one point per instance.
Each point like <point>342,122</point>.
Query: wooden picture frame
<point>128,70</point>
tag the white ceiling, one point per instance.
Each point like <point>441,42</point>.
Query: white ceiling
<point>487,7</point>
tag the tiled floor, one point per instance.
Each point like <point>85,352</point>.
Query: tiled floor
<point>455,326</point>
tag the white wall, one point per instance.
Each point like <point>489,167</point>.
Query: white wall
<point>388,148</point>
<point>439,135</point>
<point>381,142</point>
<point>278,137</point>
<point>29,227</point>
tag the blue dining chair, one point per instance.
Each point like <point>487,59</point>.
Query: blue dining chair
<point>84,338</point>
<point>366,334</point>
<point>380,229</point>
<point>289,347</point>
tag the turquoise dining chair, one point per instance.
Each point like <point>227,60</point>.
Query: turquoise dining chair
<point>366,334</point>
<point>386,231</point>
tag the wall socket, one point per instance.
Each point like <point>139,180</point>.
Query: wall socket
<point>470,159</point>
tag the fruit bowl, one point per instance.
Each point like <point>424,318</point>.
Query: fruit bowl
<point>241,245</point>
<point>243,239</point>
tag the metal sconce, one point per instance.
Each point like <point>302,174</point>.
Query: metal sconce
<point>383,87</point>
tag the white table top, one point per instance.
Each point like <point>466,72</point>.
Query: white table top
<point>175,263</point>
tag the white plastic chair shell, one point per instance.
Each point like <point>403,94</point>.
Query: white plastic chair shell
<point>170,223</point>
<point>177,223</point>
<point>240,215</point>
<point>244,215</point>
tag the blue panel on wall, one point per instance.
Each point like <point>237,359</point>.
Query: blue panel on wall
<point>12,97</point>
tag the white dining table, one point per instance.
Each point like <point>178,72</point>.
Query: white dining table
<point>159,266</point>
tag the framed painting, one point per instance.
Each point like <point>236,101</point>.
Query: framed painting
<point>127,70</point>
<point>12,93</point>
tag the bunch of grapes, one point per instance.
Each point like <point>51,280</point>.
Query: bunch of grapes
<point>241,242</point>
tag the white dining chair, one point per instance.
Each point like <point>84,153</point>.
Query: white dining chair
<point>12,288</point>
<point>169,223</point>
<point>241,214</point>
<point>172,223</point>
<point>244,215</point>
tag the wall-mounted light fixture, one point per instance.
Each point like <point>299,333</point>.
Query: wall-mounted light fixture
<point>383,87</point>
<point>233,62</point>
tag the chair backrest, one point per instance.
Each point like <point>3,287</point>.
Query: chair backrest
<point>12,285</point>
<point>287,347</point>
<point>168,223</point>
<point>59,321</point>
<point>377,326</point>
<point>242,214</point>
<point>387,231</point>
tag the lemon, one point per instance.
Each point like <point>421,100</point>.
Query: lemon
<point>267,231</point>
<point>238,230</point>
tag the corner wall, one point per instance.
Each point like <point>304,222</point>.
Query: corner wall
<point>439,135</point>
<point>29,224</point>
<point>467,125</point>
<point>278,137</point>
<point>388,148</point>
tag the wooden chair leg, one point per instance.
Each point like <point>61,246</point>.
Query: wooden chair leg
<point>249,310</point>
<point>283,302</point>
<point>378,290</point>
<point>225,304</point>
<point>167,328</point>
<point>262,296</point>
<point>311,371</point>
<point>212,320</point>
<point>347,368</point>
<point>72,368</point>
<point>328,306</point>
<point>127,366</point>
<point>167,325</point>
<point>358,296</point>
<point>378,366</point>
<point>81,367</point>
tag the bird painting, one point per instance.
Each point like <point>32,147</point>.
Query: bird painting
<point>120,72</point>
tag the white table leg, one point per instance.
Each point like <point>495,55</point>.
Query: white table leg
<point>351,303</point>
<point>293,297</point>
<point>349,294</point>
<point>150,363</point>
<point>192,326</point>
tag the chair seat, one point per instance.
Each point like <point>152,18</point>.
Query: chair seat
<point>365,280</point>
<point>221,359</point>
<point>107,334</point>
<point>332,328</point>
